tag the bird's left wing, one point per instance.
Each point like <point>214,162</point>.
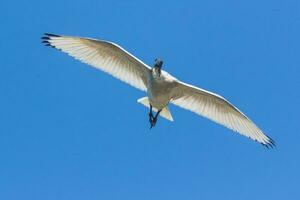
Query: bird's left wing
<point>217,109</point>
<point>103,55</point>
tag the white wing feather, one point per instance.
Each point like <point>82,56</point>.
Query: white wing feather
<point>103,55</point>
<point>219,110</point>
<point>116,61</point>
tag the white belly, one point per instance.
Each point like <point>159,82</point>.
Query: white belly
<point>160,91</point>
<point>157,99</point>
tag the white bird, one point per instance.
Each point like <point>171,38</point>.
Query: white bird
<point>161,87</point>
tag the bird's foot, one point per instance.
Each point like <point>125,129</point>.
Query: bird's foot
<point>153,122</point>
<point>151,125</point>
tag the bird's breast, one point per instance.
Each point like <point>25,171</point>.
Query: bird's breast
<point>159,91</point>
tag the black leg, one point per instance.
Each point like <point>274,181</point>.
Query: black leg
<point>151,117</point>
<point>155,119</point>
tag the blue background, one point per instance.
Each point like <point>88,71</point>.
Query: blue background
<point>69,131</point>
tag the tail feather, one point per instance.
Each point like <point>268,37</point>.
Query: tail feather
<point>165,112</point>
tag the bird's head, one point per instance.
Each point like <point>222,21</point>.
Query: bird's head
<point>158,65</point>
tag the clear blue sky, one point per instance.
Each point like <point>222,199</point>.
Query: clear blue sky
<point>69,131</point>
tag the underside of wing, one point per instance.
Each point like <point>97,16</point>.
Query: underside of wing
<point>219,110</point>
<point>103,55</point>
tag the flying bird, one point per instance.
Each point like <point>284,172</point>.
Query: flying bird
<point>160,86</point>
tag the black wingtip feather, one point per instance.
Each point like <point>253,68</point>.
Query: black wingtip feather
<point>270,144</point>
<point>49,45</point>
<point>46,39</point>
<point>52,35</point>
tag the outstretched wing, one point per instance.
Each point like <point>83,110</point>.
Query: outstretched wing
<point>103,55</point>
<point>219,110</point>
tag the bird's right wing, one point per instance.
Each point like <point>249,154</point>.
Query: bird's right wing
<point>217,109</point>
<point>103,55</point>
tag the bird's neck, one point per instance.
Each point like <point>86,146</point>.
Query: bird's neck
<point>156,71</point>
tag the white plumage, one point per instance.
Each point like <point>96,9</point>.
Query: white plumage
<point>162,88</point>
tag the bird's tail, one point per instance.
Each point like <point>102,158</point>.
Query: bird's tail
<point>164,112</point>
